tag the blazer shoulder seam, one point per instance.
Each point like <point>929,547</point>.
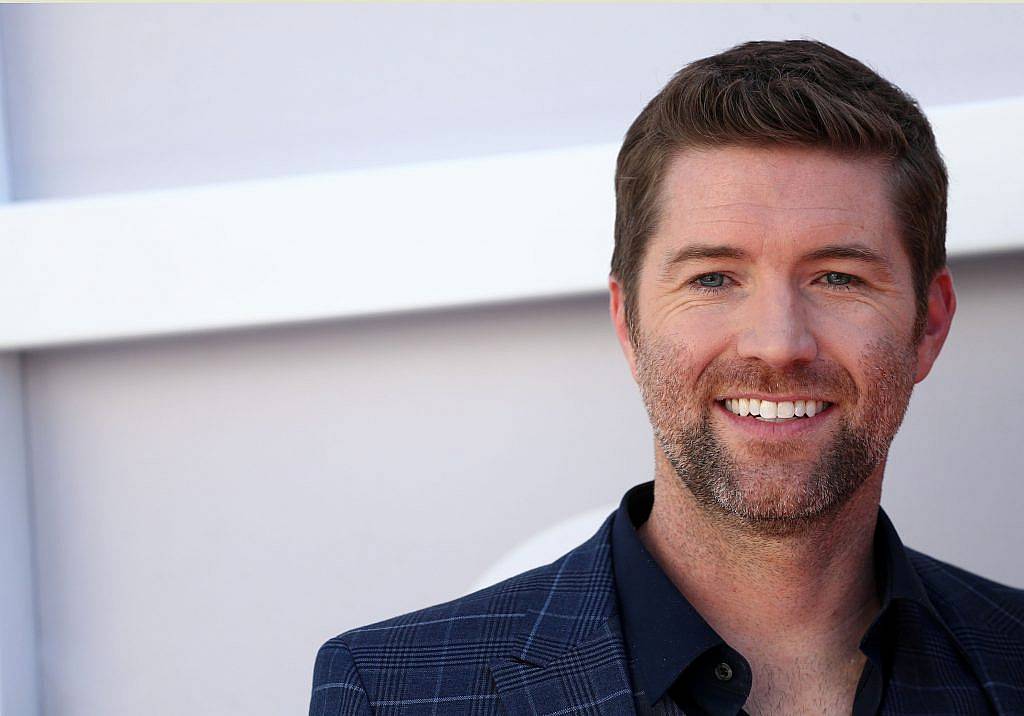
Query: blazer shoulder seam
<point>338,644</point>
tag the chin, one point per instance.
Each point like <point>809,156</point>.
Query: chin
<point>776,505</point>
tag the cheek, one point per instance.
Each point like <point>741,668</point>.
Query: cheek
<point>681,313</point>
<point>681,352</point>
<point>702,331</point>
<point>860,340</point>
<point>887,318</point>
<point>886,368</point>
<point>670,372</point>
<point>664,366</point>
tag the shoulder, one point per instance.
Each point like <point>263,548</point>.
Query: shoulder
<point>385,660</point>
<point>504,602</point>
<point>337,687</point>
<point>584,569</point>
<point>969,601</point>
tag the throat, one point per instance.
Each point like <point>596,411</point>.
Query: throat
<point>810,683</point>
<point>755,589</point>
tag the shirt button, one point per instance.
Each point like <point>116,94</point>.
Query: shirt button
<point>723,672</point>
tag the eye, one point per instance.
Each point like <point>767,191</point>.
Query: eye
<point>711,281</point>
<point>840,281</point>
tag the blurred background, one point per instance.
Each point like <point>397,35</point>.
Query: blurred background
<point>303,317</point>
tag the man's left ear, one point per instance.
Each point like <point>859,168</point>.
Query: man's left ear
<point>941,307</point>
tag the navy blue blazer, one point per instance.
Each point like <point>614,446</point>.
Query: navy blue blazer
<point>548,641</point>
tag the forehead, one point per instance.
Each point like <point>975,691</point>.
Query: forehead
<point>775,202</point>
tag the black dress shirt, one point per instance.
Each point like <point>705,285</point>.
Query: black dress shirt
<point>676,655</point>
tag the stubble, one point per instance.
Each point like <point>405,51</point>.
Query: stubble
<point>774,486</point>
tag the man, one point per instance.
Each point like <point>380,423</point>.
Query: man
<point>778,287</point>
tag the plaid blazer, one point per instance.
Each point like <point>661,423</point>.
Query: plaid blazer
<point>548,641</point>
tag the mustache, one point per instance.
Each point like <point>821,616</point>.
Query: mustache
<point>827,381</point>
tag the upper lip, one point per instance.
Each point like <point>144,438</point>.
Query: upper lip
<point>775,398</point>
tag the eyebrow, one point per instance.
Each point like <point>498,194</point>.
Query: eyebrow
<point>853,252</point>
<point>850,252</point>
<point>697,252</point>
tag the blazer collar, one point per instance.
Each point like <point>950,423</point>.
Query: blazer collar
<point>569,653</point>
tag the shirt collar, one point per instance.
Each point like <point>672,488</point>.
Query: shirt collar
<point>894,572</point>
<point>664,633</point>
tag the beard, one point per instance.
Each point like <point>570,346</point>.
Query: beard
<point>775,486</point>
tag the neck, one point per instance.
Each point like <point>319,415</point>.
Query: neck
<point>770,594</point>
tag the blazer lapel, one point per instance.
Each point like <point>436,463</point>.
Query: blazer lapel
<point>570,654</point>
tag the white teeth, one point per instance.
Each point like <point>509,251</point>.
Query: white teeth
<point>776,411</point>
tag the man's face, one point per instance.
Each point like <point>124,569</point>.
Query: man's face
<point>776,276</point>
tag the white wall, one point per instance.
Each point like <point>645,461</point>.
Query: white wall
<point>19,685</point>
<point>208,509</point>
<point>212,508</point>
<point>119,97</point>
<point>19,678</point>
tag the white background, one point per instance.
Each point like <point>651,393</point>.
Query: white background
<point>206,509</point>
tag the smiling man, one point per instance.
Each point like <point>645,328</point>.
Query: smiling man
<point>778,287</point>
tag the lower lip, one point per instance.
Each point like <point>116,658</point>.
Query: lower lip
<point>775,431</point>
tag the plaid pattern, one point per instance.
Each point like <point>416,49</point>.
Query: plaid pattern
<point>548,641</point>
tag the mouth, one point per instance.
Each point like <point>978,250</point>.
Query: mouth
<point>776,418</point>
<point>775,410</point>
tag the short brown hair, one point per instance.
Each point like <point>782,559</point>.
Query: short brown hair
<point>793,93</point>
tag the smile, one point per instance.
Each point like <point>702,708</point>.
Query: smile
<point>772,411</point>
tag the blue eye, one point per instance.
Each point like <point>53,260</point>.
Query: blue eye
<point>709,281</point>
<point>841,281</point>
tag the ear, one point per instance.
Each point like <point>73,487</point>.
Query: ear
<point>617,308</point>
<point>941,307</point>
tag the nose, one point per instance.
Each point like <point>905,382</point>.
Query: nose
<point>776,329</point>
